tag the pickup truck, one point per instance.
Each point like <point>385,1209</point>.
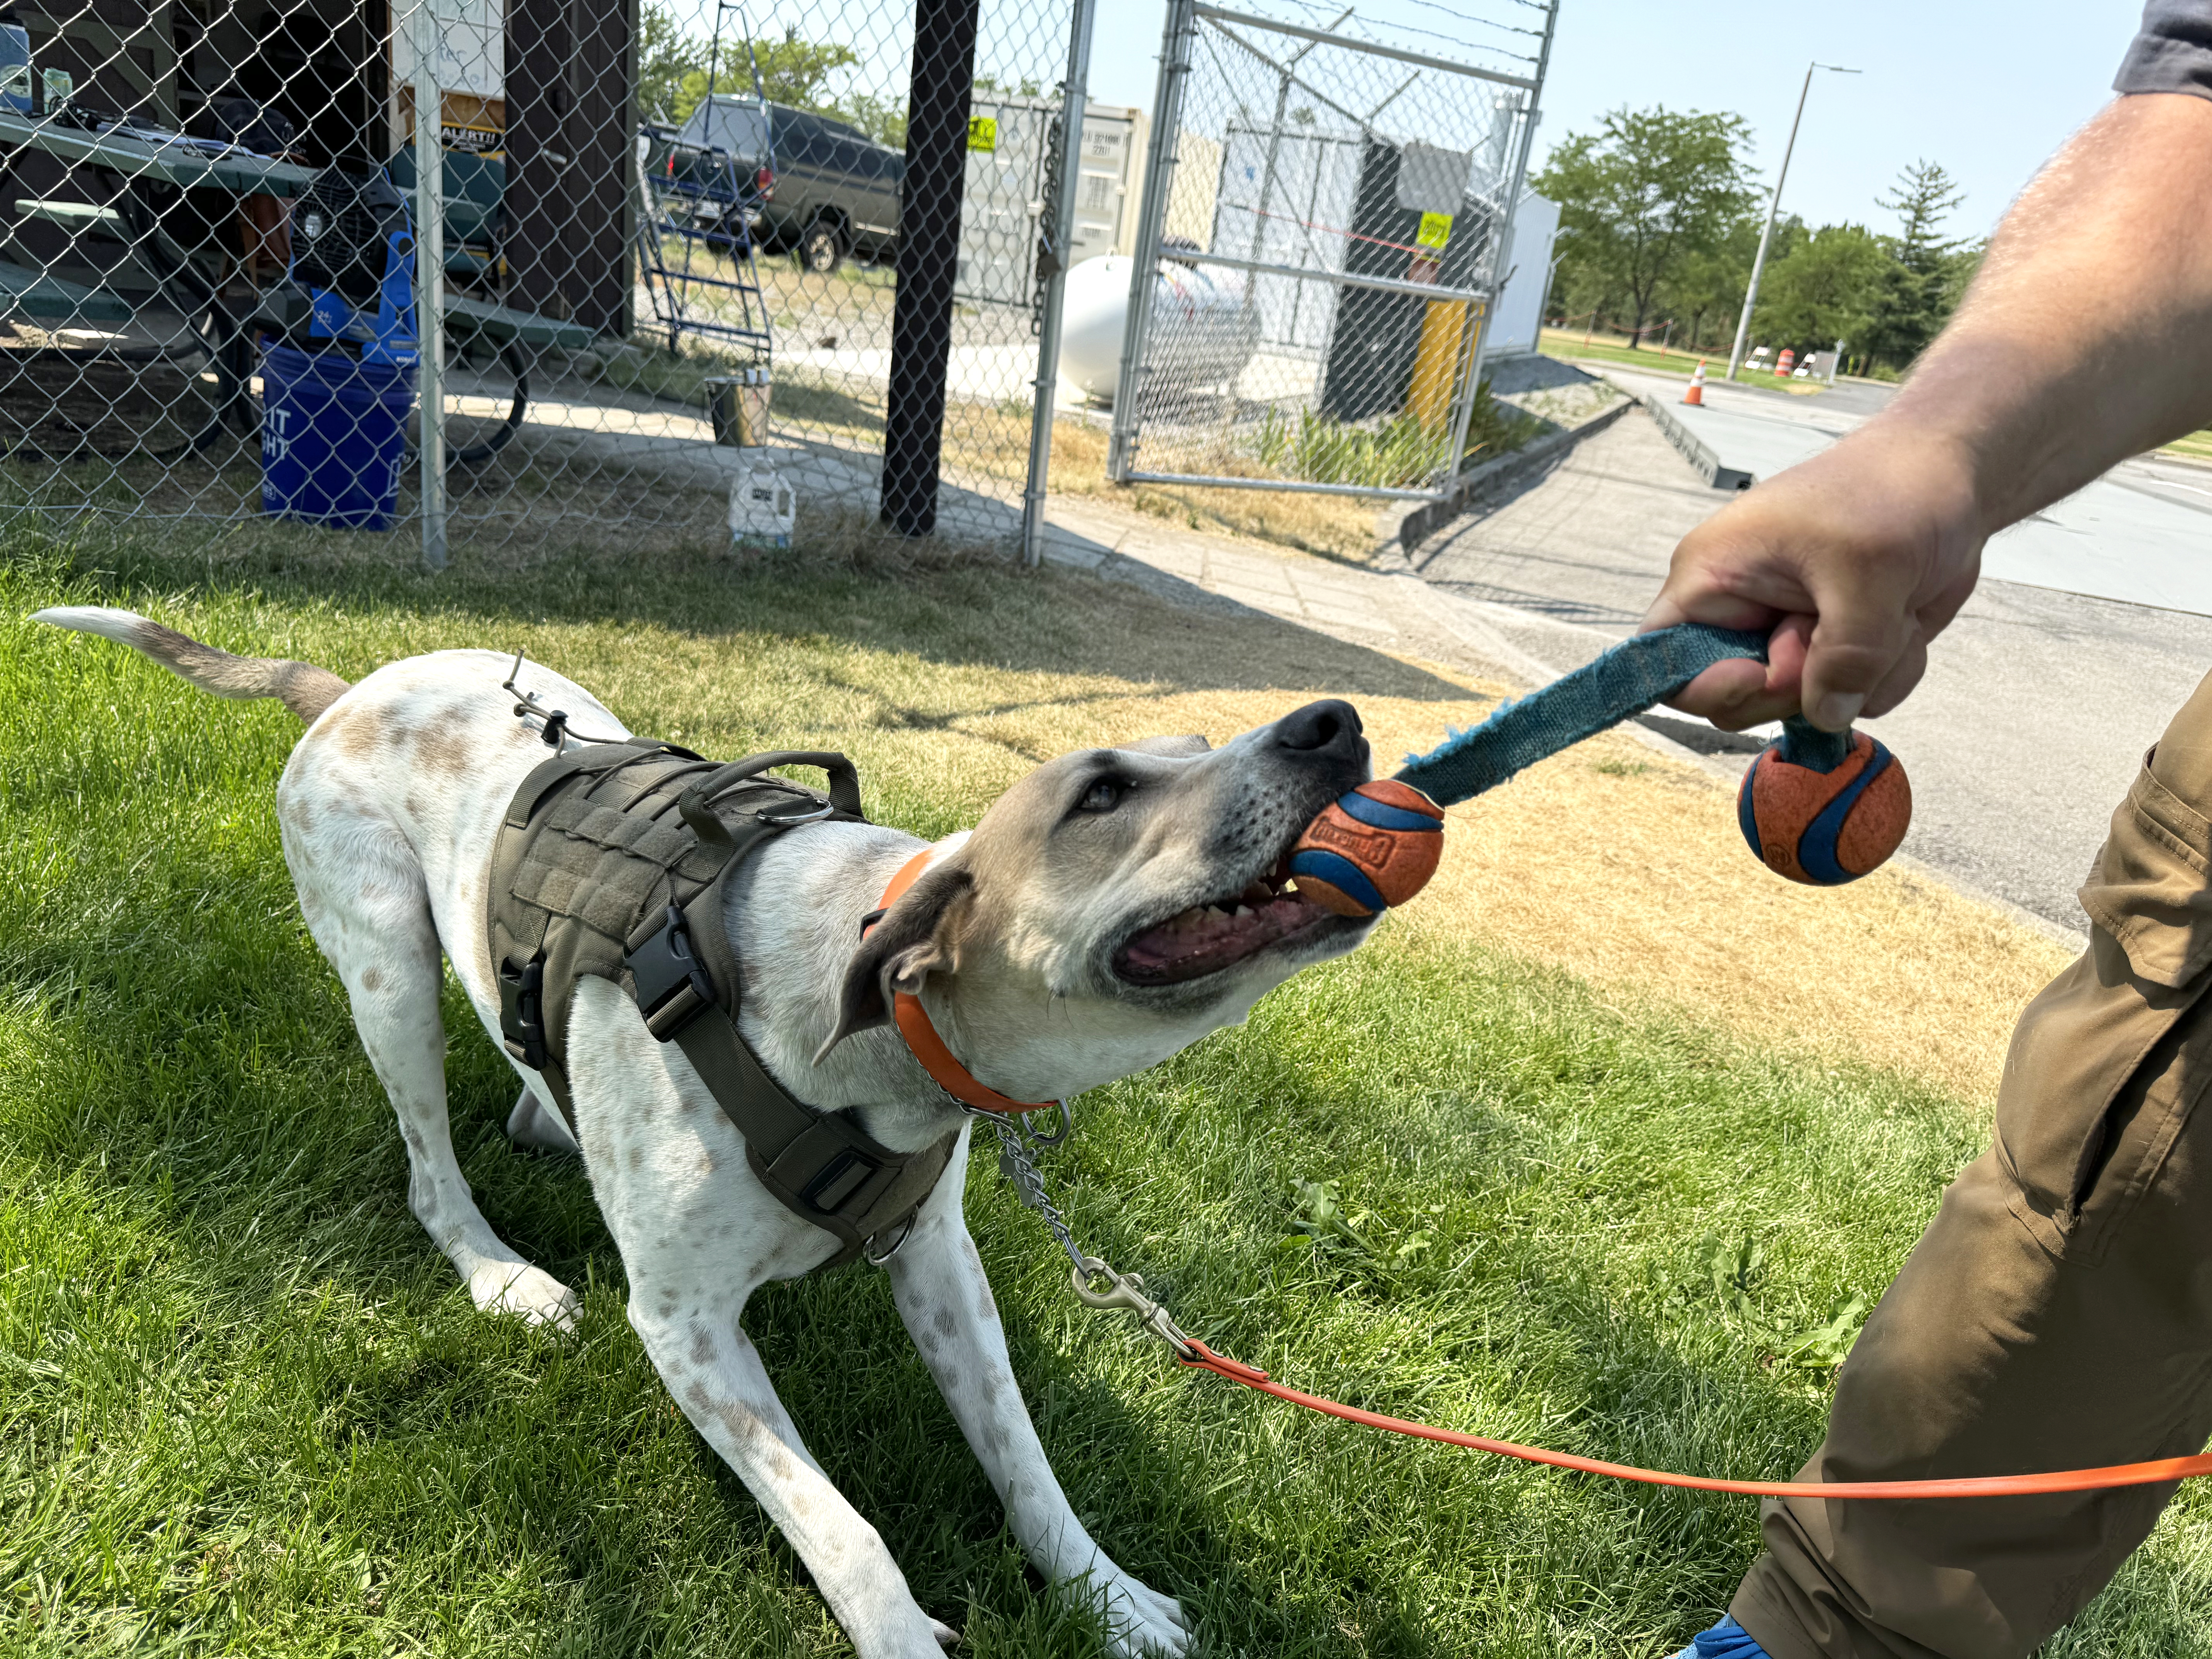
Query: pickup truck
<point>825,190</point>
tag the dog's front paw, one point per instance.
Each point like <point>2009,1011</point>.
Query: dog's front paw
<point>947,1637</point>
<point>532,1292</point>
<point>1141,1622</point>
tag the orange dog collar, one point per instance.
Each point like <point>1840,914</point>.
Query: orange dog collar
<point>922,1037</point>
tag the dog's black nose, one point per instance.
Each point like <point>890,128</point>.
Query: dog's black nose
<point>1330,726</point>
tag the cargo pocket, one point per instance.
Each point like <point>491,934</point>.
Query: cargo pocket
<point>2108,1062</point>
<point>2148,890</point>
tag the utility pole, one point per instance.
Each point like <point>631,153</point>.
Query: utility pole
<point>1773,206</point>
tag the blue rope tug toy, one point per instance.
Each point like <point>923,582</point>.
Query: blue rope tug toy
<point>1818,807</point>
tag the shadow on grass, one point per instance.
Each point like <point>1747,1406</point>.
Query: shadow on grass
<point>985,613</point>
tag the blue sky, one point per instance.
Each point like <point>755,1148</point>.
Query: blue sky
<point>1988,90</point>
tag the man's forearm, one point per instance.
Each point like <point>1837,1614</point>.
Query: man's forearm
<point>2086,335</point>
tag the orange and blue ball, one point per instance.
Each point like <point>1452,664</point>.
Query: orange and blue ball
<point>1825,829</point>
<point>1371,849</point>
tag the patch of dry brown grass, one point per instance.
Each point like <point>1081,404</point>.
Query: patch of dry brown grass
<point>1335,526</point>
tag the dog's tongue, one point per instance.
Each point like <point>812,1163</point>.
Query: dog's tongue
<point>1206,939</point>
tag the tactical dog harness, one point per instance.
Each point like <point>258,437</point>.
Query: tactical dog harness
<point>613,861</point>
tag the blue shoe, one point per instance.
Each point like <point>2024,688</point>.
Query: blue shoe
<point>1726,1640</point>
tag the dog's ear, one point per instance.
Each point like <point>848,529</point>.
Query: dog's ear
<point>1173,748</point>
<point>913,940</point>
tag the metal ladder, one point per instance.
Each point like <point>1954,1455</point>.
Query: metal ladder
<point>670,207</point>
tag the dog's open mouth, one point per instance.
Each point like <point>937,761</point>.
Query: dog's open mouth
<point>1208,937</point>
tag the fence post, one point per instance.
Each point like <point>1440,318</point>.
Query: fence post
<point>1151,219</point>
<point>430,280</point>
<point>943,84</point>
<point>1074,99</point>
<point>1500,266</point>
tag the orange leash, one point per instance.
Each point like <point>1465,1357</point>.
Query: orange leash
<point>1993,1485</point>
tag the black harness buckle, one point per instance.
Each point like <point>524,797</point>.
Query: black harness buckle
<point>522,1011</point>
<point>673,988</point>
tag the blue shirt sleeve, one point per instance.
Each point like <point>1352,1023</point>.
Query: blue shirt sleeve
<point>2173,53</point>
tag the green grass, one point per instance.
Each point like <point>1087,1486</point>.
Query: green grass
<point>246,1408</point>
<point>2196,447</point>
<point>1399,453</point>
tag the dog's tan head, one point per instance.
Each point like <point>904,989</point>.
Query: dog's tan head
<point>1116,905</point>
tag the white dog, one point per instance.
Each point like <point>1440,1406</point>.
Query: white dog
<point>1112,908</point>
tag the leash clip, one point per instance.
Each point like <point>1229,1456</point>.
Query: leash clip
<point>1128,1292</point>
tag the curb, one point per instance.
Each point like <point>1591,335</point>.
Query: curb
<point>1695,450</point>
<point>1425,520</point>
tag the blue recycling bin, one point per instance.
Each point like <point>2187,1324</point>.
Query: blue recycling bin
<point>333,437</point>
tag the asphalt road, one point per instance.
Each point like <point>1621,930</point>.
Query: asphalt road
<point>2038,705</point>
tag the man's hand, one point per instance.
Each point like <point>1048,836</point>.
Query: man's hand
<point>1854,559</point>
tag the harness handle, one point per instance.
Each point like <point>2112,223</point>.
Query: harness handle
<point>696,802</point>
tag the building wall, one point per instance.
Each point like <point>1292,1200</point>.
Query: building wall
<point>1519,316</point>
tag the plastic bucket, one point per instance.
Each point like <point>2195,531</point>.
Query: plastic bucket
<point>333,434</point>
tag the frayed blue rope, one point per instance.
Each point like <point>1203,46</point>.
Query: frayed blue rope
<point>1618,684</point>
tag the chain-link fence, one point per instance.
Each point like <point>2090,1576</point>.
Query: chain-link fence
<point>673,268</point>
<point>687,268</point>
<point>1325,218</point>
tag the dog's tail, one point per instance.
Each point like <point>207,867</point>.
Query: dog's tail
<point>306,690</point>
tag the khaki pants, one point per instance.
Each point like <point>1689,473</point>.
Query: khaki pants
<point>2057,1313</point>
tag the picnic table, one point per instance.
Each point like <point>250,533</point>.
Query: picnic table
<point>138,156</point>
<point>188,163</point>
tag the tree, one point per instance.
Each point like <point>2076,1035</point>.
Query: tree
<point>1706,291</point>
<point>675,67</point>
<point>665,54</point>
<point>1647,192</point>
<point>1923,282</point>
<point>1824,289</point>
<point>792,71</point>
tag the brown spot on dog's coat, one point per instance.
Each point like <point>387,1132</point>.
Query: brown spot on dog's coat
<point>445,751</point>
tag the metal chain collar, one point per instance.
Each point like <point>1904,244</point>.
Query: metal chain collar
<point>1123,1291</point>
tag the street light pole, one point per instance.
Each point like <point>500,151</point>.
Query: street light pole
<point>1773,206</point>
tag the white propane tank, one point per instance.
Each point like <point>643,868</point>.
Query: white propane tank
<point>1203,330</point>
<point>762,507</point>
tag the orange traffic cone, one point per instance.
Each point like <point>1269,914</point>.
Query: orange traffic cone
<point>1696,395</point>
<point>1781,365</point>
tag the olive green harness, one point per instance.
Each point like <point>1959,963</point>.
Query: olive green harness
<point>613,861</point>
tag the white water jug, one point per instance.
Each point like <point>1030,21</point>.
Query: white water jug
<point>762,505</point>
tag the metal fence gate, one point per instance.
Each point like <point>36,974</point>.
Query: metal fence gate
<point>1325,228</point>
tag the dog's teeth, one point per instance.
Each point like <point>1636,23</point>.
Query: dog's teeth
<point>1242,911</point>
<point>1216,910</point>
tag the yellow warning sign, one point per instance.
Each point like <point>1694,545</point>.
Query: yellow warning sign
<point>1435,231</point>
<point>982,133</point>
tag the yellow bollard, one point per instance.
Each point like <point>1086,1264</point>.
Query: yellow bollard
<point>1436,364</point>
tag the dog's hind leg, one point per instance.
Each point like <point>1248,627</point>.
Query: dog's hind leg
<point>936,1279</point>
<point>374,927</point>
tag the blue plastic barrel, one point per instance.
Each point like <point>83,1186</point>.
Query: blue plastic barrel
<point>333,434</point>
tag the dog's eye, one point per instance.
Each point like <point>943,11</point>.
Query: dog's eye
<point>1102,796</point>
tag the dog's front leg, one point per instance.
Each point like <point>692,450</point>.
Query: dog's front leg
<point>716,1375</point>
<point>942,1295</point>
